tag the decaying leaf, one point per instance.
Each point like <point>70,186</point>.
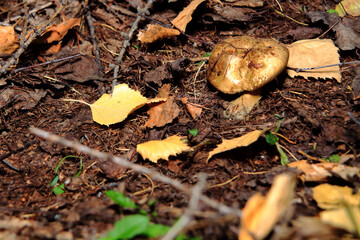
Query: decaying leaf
<point>262,213</point>
<point>156,32</point>
<point>343,207</point>
<point>114,108</point>
<point>330,196</point>
<point>9,42</point>
<point>347,30</point>
<point>321,171</point>
<point>351,7</point>
<point>162,149</point>
<point>242,141</point>
<point>194,109</point>
<point>184,17</point>
<point>164,112</point>
<point>314,53</point>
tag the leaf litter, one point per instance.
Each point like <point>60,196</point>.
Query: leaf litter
<point>256,164</point>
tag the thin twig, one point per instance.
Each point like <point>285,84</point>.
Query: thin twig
<point>6,155</point>
<point>312,68</point>
<point>48,62</point>
<point>32,36</point>
<point>140,169</point>
<point>188,215</point>
<point>93,37</point>
<point>128,37</point>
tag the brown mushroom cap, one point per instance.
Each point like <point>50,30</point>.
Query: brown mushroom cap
<point>245,63</point>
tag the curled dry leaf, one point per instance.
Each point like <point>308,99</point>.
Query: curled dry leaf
<point>156,32</point>
<point>184,17</point>
<point>162,149</point>
<point>58,32</point>
<point>314,53</point>
<point>9,42</point>
<point>260,214</point>
<point>114,108</point>
<point>164,112</point>
<point>321,171</point>
<point>242,141</point>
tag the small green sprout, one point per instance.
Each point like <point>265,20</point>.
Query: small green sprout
<point>333,158</point>
<point>193,132</point>
<point>60,188</point>
<point>272,139</point>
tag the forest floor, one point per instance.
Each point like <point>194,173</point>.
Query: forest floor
<point>319,122</point>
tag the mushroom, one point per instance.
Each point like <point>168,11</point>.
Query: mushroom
<point>245,63</point>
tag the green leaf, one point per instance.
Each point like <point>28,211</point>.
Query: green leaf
<point>283,158</point>
<point>193,132</point>
<point>120,199</point>
<point>54,181</point>
<point>184,237</point>
<point>59,189</point>
<point>207,54</point>
<point>129,227</point>
<point>271,138</point>
<point>155,230</point>
<point>332,11</point>
<point>334,158</point>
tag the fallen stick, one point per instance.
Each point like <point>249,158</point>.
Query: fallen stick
<point>222,208</point>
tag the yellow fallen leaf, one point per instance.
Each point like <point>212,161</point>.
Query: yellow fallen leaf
<point>330,196</point>
<point>156,32</point>
<point>242,141</point>
<point>347,218</point>
<point>114,108</point>
<point>184,17</point>
<point>9,42</point>
<point>311,53</point>
<point>351,7</point>
<point>162,149</point>
<point>260,214</point>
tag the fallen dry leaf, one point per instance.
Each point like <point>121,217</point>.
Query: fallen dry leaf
<point>162,149</point>
<point>184,17</point>
<point>156,32</point>
<point>311,53</point>
<point>347,30</point>
<point>321,171</point>
<point>260,214</point>
<point>9,42</point>
<point>242,141</point>
<point>330,196</point>
<point>351,7</point>
<point>114,108</point>
<point>164,112</point>
<point>194,109</point>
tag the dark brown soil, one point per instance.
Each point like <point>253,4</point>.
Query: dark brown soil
<point>316,113</point>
